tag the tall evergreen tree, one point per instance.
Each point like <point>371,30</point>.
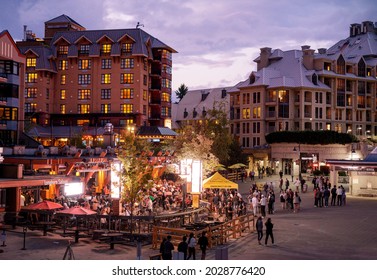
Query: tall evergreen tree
<point>181,91</point>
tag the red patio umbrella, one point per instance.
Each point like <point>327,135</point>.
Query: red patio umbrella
<point>43,206</point>
<point>77,211</point>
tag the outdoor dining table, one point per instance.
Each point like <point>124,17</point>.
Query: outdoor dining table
<point>45,226</point>
<point>77,232</point>
<point>112,236</point>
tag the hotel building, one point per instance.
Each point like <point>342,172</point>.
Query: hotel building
<point>79,77</point>
<point>328,89</point>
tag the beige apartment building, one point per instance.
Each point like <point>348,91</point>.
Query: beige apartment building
<point>79,77</point>
<point>328,89</point>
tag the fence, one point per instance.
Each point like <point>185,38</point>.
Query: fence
<point>217,234</point>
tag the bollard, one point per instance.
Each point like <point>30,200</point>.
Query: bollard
<point>138,249</point>
<point>3,237</point>
<point>24,231</point>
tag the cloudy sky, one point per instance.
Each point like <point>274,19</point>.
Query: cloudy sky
<point>216,40</point>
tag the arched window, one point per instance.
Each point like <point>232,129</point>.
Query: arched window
<point>341,66</point>
<point>361,68</point>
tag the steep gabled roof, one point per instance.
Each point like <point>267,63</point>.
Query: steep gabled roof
<point>63,18</point>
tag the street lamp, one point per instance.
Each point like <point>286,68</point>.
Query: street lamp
<point>298,149</point>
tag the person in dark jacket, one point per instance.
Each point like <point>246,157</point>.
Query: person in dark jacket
<point>183,246</point>
<point>203,243</point>
<point>259,227</point>
<point>269,225</point>
<point>168,249</point>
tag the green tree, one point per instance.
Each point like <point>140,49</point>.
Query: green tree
<point>191,144</point>
<point>136,171</point>
<point>181,91</point>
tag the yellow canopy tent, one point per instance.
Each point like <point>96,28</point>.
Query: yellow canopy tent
<point>217,181</point>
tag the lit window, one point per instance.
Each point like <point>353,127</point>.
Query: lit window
<point>63,64</point>
<point>62,94</point>
<point>84,64</point>
<point>126,108</point>
<point>165,97</point>
<point>63,50</point>
<point>127,63</point>
<point>105,108</point>
<point>83,108</point>
<point>127,93</point>
<point>31,77</point>
<point>105,78</point>
<point>82,122</point>
<point>63,79</point>
<point>106,48</point>
<point>127,78</point>
<point>30,107</point>
<point>256,112</point>
<point>126,122</point>
<point>84,94</point>
<point>62,109</point>
<point>246,113</point>
<point>31,62</point>
<point>145,94</point>
<point>126,48</point>
<point>31,92</point>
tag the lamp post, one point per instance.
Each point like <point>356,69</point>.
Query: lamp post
<point>298,149</point>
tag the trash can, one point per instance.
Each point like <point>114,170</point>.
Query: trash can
<point>221,253</point>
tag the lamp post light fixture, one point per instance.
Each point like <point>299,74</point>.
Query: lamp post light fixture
<point>298,149</point>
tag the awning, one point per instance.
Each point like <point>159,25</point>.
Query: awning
<point>217,181</point>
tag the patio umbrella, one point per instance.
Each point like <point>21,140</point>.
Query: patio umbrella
<point>77,211</point>
<point>237,166</point>
<point>43,206</point>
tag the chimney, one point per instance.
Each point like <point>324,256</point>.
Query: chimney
<point>25,27</point>
<point>308,57</point>
<point>355,29</point>
<point>367,26</point>
<point>264,58</point>
<point>322,51</point>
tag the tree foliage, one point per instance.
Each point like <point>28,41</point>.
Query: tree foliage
<point>136,171</point>
<point>181,91</point>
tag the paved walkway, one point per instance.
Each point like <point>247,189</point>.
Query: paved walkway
<point>313,234</point>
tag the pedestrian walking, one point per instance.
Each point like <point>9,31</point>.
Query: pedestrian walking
<point>203,243</point>
<point>259,227</point>
<point>183,247</point>
<point>191,246</point>
<point>269,226</point>
<point>168,248</point>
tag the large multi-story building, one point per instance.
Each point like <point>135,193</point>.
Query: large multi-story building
<point>12,66</point>
<point>332,89</point>
<point>79,77</point>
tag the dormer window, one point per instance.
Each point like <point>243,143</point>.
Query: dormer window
<point>126,48</point>
<point>185,113</point>
<point>106,49</point>
<point>194,113</point>
<point>315,79</point>
<point>204,96</point>
<point>204,112</point>
<point>252,79</point>
<point>63,50</point>
<point>223,93</point>
<point>84,50</point>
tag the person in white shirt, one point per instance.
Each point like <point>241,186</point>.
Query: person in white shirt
<point>191,246</point>
<point>255,202</point>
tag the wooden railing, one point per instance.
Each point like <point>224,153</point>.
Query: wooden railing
<point>217,234</point>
